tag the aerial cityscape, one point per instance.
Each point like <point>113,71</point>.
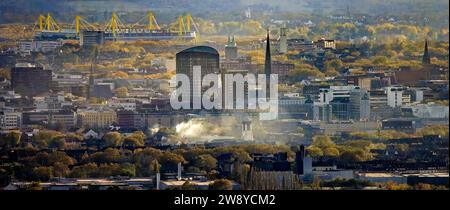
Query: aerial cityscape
<point>224,95</point>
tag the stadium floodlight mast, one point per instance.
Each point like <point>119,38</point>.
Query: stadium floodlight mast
<point>257,88</point>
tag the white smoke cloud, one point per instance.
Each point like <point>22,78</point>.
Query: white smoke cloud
<point>202,130</point>
<point>191,129</point>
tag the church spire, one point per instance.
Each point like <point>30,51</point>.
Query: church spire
<point>268,58</point>
<point>426,57</point>
<point>91,73</point>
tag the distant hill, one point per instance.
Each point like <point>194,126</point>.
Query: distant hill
<point>9,9</point>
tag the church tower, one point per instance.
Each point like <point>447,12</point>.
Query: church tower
<point>268,65</point>
<point>426,57</point>
<point>268,58</point>
<point>231,50</point>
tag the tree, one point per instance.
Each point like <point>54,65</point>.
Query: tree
<point>128,169</point>
<point>5,178</point>
<point>422,186</point>
<point>60,157</point>
<point>110,155</point>
<point>188,186</point>
<point>35,186</point>
<point>402,147</point>
<point>132,141</point>
<point>112,139</point>
<point>60,170</point>
<point>355,155</point>
<point>314,151</point>
<point>169,161</point>
<point>323,141</point>
<point>155,166</point>
<point>315,185</point>
<point>83,171</point>
<point>331,72</point>
<point>14,137</point>
<point>135,139</point>
<point>120,75</point>
<point>58,143</point>
<point>441,130</point>
<point>335,64</point>
<point>46,159</point>
<point>11,139</point>
<point>221,184</point>
<point>330,151</point>
<point>394,186</point>
<point>252,27</point>
<point>44,136</point>
<point>121,92</point>
<point>42,173</point>
<point>206,162</point>
<point>303,71</point>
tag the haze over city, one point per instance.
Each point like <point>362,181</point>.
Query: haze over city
<point>151,95</point>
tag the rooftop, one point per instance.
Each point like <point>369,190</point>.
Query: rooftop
<point>201,49</point>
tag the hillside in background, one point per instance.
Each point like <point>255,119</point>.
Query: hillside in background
<point>218,9</point>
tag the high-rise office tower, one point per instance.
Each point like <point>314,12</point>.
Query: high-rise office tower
<point>359,105</point>
<point>199,57</point>
<point>30,80</point>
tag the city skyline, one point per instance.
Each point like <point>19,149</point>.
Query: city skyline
<point>249,95</point>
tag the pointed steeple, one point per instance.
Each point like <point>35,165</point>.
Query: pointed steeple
<point>268,58</point>
<point>91,73</point>
<point>426,57</point>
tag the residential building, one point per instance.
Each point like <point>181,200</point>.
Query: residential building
<point>397,96</point>
<point>97,117</point>
<point>10,119</point>
<point>326,44</point>
<point>27,47</point>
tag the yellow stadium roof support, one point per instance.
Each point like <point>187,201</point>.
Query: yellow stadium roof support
<point>41,22</point>
<point>50,24</point>
<point>81,23</point>
<point>77,24</point>
<point>180,25</point>
<point>188,22</point>
<point>114,24</point>
<point>152,23</point>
